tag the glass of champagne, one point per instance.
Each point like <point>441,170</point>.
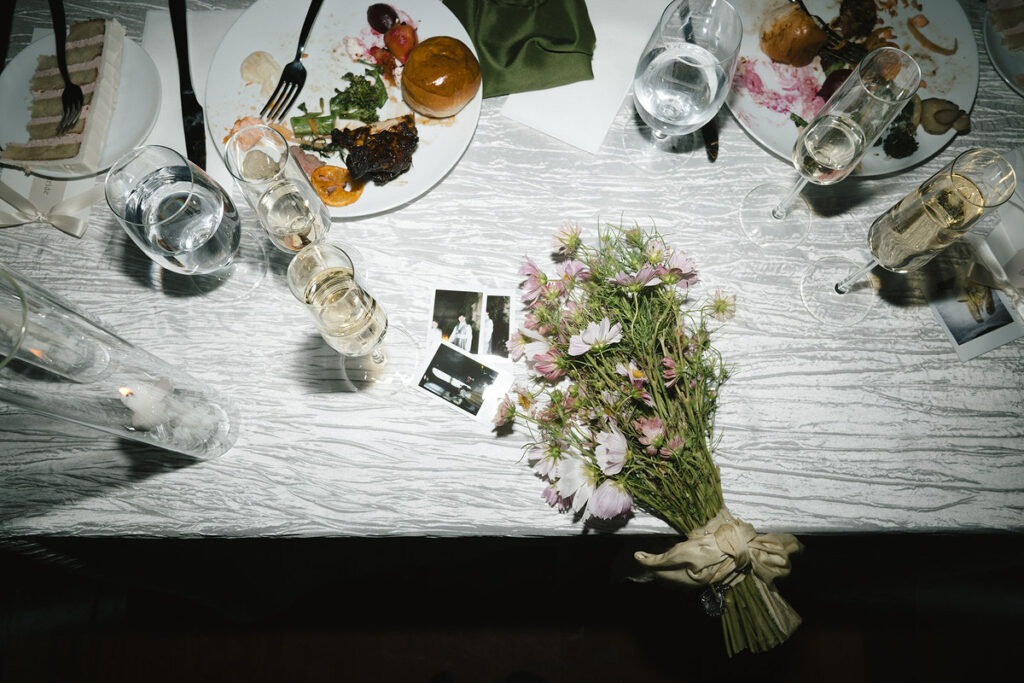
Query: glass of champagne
<point>376,356</point>
<point>828,149</point>
<point>276,187</point>
<point>681,81</point>
<point>183,220</point>
<point>912,232</point>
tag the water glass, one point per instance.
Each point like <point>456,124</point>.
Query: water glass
<point>276,187</point>
<point>177,214</point>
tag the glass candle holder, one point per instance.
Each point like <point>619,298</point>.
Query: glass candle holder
<point>56,360</point>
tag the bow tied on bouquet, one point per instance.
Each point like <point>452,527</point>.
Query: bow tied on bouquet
<point>620,405</point>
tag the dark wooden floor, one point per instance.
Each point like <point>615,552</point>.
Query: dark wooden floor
<point>906,608</point>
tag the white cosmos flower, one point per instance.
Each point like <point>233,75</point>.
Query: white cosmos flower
<point>574,482</point>
<point>597,335</point>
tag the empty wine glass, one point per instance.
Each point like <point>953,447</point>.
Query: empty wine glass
<point>183,220</point>
<point>681,81</point>
<point>828,149</point>
<point>351,321</point>
<point>911,233</point>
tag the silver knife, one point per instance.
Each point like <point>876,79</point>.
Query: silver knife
<point>191,112</point>
<point>709,131</point>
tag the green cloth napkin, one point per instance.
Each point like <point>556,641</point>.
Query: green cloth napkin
<point>528,44</point>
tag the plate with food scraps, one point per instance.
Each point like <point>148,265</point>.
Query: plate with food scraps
<point>999,33</point>
<point>138,102</point>
<point>770,98</point>
<point>339,44</point>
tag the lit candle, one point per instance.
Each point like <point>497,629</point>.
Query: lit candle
<point>149,403</point>
<point>50,350</point>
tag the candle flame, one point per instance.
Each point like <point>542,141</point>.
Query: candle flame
<point>37,353</point>
<point>125,391</point>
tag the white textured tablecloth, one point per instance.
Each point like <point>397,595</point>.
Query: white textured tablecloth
<point>878,427</point>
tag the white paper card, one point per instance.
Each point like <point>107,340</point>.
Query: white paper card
<point>581,113</point>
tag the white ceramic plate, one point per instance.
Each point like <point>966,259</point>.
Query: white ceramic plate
<point>138,101</point>
<point>269,26</point>
<point>1007,64</point>
<point>765,113</point>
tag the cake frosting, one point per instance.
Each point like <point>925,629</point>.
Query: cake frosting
<point>93,50</point>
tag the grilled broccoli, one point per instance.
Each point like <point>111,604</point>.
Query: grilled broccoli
<point>362,98</point>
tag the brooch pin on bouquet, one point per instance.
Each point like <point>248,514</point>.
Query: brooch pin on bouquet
<point>620,406</point>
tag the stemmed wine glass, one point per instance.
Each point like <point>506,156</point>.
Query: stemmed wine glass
<point>184,221</point>
<point>828,149</point>
<point>912,232</point>
<point>681,81</point>
<point>376,356</point>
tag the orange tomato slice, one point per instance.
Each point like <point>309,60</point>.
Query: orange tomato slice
<point>331,183</point>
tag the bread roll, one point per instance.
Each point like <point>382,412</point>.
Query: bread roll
<point>791,36</point>
<point>440,77</point>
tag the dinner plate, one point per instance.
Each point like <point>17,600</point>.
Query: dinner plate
<point>138,102</point>
<point>1009,65</point>
<point>269,26</point>
<point>764,94</point>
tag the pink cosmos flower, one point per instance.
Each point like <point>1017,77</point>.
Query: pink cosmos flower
<point>574,270</point>
<point>645,277</point>
<point>678,270</point>
<point>554,500</point>
<point>596,336</point>
<point>549,364</point>
<point>610,450</point>
<point>609,500</point>
<point>506,411</point>
<point>669,373</point>
<point>567,240</point>
<point>652,433</point>
<point>516,346</point>
<point>673,446</point>
<point>535,280</point>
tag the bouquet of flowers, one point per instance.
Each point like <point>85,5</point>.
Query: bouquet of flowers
<point>621,404</point>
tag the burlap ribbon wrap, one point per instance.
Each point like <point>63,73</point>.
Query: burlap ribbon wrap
<point>729,548</point>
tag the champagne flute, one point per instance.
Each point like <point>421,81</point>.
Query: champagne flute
<point>681,81</point>
<point>275,186</point>
<point>828,149</point>
<point>912,232</point>
<point>376,356</point>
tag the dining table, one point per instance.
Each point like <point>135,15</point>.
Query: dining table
<point>871,428</point>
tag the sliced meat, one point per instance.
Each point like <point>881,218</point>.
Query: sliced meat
<point>381,151</point>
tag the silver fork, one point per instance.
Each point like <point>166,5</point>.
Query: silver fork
<point>71,98</point>
<point>293,77</point>
<point>848,51</point>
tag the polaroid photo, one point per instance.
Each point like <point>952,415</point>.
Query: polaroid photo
<point>464,382</point>
<point>975,318</point>
<point>479,322</point>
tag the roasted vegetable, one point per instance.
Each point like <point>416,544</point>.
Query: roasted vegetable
<point>362,98</point>
<point>900,140</point>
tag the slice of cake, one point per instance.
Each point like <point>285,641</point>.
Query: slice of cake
<point>93,51</point>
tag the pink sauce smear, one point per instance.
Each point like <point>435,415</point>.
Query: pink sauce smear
<point>795,90</point>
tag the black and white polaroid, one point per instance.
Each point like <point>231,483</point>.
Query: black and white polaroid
<point>479,322</point>
<point>975,318</point>
<point>464,382</point>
